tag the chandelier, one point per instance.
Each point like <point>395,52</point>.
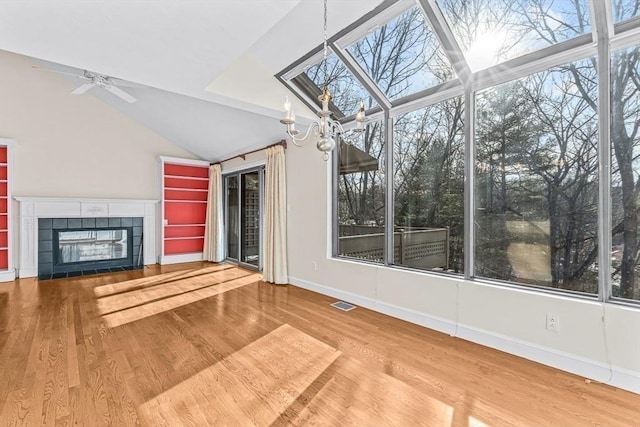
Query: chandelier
<point>326,130</point>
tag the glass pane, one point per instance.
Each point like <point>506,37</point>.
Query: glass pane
<point>346,91</point>
<point>492,31</point>
<point>625,137</point>
<point>251,218</point>
<point>625,9</point>
<point>361,195</point>
<point>537,180</point>
<point>403,56</point>
<point>428,150</point>
<point>91,245</point>
<point>233,206</point>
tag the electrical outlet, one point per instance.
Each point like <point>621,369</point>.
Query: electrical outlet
<point>315,266</point>
<point>553,322</point>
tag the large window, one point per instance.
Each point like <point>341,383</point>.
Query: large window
<point>625,180</point>
<point>428,154</point>
<point>498,167</point>
<point>361,195</point>
<point>537,180</point>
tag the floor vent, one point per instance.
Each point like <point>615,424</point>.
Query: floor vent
<point>344,306</point>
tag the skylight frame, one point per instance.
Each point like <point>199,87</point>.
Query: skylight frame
<point>623,34</point>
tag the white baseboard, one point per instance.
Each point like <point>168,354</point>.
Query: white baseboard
<point>27,272</point>
<point>591,369</point>
<point>8,275</point>
<point>177,259</point>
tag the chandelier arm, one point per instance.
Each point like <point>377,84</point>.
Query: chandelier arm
<point>298,140</point>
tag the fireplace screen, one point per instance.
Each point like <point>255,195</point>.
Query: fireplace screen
<point>92,245</point>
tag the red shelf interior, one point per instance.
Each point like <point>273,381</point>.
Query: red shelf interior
<point>184,231</point>
<point>185,195</point>
<point>186,170</point>
<point>186,183</point>
<point>174,247</point>
<point>3,171</point>
<point>185,213</point>
<point>3,154</point>
<point>4,239</point>
<point>4,259</point>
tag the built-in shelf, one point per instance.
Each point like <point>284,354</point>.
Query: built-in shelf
<point>185,185</point>
<point>7,271</point>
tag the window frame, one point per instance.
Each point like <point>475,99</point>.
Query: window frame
<point>605,37</point>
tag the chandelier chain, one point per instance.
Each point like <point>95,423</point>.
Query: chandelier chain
<point>324,56</point>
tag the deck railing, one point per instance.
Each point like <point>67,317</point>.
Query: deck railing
<point>425,248</point>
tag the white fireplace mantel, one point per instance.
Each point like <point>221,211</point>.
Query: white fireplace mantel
<point>33,208</point>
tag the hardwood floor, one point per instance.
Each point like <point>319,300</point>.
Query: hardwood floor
<point>203,344</point>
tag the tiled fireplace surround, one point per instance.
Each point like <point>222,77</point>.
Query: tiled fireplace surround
<point>32,210</point>
<point>47,227</point>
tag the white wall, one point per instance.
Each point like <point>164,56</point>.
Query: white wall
<point>74,146</point>
<point>512,320</point>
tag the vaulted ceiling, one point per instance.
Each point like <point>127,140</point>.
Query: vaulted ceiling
<point>203,70</point>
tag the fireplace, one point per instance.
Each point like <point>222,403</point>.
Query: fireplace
<point>92,248</point>
<point>69,247</point>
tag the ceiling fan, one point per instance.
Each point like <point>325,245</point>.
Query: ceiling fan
<point>95,79</point>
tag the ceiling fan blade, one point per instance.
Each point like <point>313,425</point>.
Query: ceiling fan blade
<point>120,93</point>
<point>58,72</point>
<point>82,89</point>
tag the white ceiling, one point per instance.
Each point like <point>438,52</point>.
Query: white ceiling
<point>177,48</point>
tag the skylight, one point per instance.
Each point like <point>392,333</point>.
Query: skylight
<point>346,91</point>
<point>493,31</point>
<point>403,56</point>
<point>625,9</point>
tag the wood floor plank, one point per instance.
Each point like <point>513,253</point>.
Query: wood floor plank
<point>210,344</point>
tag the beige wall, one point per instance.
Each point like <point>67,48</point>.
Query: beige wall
<point>592,338</point>
<point>74,146</point>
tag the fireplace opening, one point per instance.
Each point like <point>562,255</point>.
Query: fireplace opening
<point>92,248</point>
<point>91,245</point>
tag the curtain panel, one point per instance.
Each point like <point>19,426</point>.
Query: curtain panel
<point>214,225</point>
<point>274,245</point>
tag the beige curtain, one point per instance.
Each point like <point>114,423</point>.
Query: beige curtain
<point>274,243</point>
<point>214,226</point>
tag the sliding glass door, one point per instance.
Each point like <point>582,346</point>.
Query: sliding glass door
<point>243,214</point>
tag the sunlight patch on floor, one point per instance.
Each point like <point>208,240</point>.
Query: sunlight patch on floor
<point>119,309</point>
<point>372,398</point>
<point>114,288</point>
<point>253,386</point>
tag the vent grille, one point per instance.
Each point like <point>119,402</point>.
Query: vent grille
<point>344,306</point>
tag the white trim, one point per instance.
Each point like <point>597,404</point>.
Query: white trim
<point>7,275</point>
<point>177,259</point>
<point>181,161</point>
<point>625,39</point>
<point>591,369</point>
<point>9,142</point>
<point>361,301</point>
<point>77,199</point>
